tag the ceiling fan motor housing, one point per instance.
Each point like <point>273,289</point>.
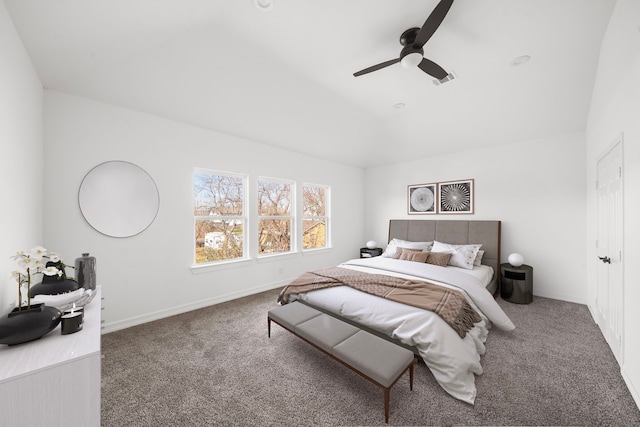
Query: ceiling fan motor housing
<point>409,36</point>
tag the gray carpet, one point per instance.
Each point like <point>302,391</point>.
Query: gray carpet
<point>216,366</point>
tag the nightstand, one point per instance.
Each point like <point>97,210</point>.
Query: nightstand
<point>370,253</point>
<point>516,283</point>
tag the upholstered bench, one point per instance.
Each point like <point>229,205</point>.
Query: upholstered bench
<point>376,359</point>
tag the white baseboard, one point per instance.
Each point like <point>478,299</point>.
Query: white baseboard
<point>631,387</point>
<point>161,314</point>
<point>561,297</point>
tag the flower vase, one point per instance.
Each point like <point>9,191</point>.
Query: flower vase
<point>54,285</point>
<point>86,271</point>
<point>28,324</point>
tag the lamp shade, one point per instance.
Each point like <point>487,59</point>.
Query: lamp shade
<point>516,259</point>
<point>372,244</point>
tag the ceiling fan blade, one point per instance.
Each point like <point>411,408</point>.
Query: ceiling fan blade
<point>432,69</point>
<point>433,22</point>
<point>376,67</point>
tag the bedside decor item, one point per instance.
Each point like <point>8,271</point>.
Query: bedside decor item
<point>31,264</point>
<point>73,310</point>
<point>421,199</point>
<point>86,271</point>
<point>60,301</point>
<point>456,197</point>
<point>71,322</point>
<point>86,297</point>
<point>118,199</point>
<point>56,284</point>
<point>516,260</point>
<point>372,244</point>
<point>29,322</point>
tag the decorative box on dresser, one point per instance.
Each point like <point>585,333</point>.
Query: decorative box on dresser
<point>54,380</point>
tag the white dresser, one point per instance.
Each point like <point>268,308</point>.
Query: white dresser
<point>54,380</point>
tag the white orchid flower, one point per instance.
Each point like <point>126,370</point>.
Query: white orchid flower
<point>52,271</point>
<point>38,252</point>
<point>35,264</point>
<point>19,255</point>
<point>17,274</point>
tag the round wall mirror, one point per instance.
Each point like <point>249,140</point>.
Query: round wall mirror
<point>118,199</point>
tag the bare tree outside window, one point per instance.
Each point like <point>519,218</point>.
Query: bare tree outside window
<point>315,218</point>
<point>275,222</point>
<point>218,204</point>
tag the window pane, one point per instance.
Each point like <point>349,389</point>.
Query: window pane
<point>315,219</point>
<point>217,195</point>
<point>218,207</point>
<point>314,234</point>
<point>274,198</point>
<point>218,240</point>
<point>274,236</point>
<point>313,200</point>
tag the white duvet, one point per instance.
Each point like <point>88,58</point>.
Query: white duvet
<point>454,361</point>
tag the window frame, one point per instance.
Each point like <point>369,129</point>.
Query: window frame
<point>326,217</point>
<point>292,217</point>
<point>244,218</point>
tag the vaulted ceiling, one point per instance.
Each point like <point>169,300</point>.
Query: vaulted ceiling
<point>284,75</point>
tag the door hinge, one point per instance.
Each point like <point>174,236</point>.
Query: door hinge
<point>620,171</point>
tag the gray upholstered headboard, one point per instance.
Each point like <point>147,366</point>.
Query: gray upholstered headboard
<point>455,232</point>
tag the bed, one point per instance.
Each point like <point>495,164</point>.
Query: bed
<point>452,357</point>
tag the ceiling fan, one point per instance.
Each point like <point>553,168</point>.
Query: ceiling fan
<point>413,41</point>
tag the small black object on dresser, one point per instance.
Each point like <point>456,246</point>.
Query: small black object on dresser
<point>516,283</point>
<point>370,253</point>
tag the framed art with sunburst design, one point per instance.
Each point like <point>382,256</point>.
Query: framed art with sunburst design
<point>422,199</point>
<point>456,197</point>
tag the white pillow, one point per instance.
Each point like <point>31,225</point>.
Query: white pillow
<point>461,255</point>
<point>478,260</point>
<point>394,244</point>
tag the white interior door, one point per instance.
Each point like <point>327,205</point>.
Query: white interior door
<point>609,296</point>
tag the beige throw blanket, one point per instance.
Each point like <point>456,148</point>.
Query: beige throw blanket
<point>449,304</point>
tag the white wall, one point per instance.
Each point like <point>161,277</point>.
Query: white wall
<point>21,145</point>
<point>615,110</point>
<point>149,276</point>
<point>536,188</point>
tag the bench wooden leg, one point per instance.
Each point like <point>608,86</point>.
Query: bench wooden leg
<point>268,327</point>
<point>386,405</point>
<point>411,376</point>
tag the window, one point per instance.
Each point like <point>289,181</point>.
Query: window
<point>275,221</point>
<point>219,216</point>
<point>315,216</point>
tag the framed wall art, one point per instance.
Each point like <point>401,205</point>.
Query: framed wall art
<point>422,199</point>
<point>456,197</point>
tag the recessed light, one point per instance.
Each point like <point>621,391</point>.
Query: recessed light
<point>263,5</point>
<point>399,105</point>
<point>520,60</point>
